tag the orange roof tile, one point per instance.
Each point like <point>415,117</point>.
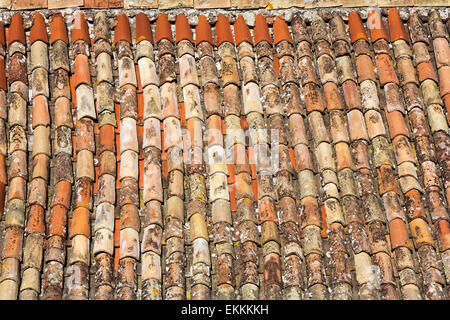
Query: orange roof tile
<point>143,28</point>
<point>223,30</point>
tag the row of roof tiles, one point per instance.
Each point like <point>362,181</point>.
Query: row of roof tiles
<point>203,32</point>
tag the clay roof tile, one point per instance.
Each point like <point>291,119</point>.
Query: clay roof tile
<point>261,30</point>
<point>80,28</point>
<point>143,28</point>
<point>396,28</point>
<point>16,32</point>
<point>223,30</point>
<point>40,111</point>
<point>122,30</point>
<point>241,31</point>
<point>58,30</point>
<point>281,31</point>
<point>203,31</point>
<point>376,26</point>
<point>356,27</point>
<point>38,31</point>
<point>183,29</point>
<point>163,29</point>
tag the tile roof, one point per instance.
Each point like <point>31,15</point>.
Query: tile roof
<point>240,155</point>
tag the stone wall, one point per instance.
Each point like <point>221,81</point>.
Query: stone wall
<point>211,4</point>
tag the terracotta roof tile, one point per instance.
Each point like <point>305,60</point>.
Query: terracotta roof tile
<point>82,74</point>
<point>386,70</point>
<point>163,29</point>
<point>397,124</point>
<point>351,95</point>
<point>396,28</point>
<point>399,233</point>
<point>333,96</point>
<point>365,68</point>
<point>143,28</point>
<point>261,30</point>
<point>78,226</point>
<point>242,31</point>
<point>281,31</point>
<point>58,29</point>
<point>122,30</point>
<point>38,30</point>
<point>41,114</point>
<point>442,52</point>
<point>223,30</point>
<point>183,29</point>
<point>203,31</point>
<point>376,26</point>
<point>80,29</point>
<point>16,30</point>
<point>356,27</point>
<point>426,71</point>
